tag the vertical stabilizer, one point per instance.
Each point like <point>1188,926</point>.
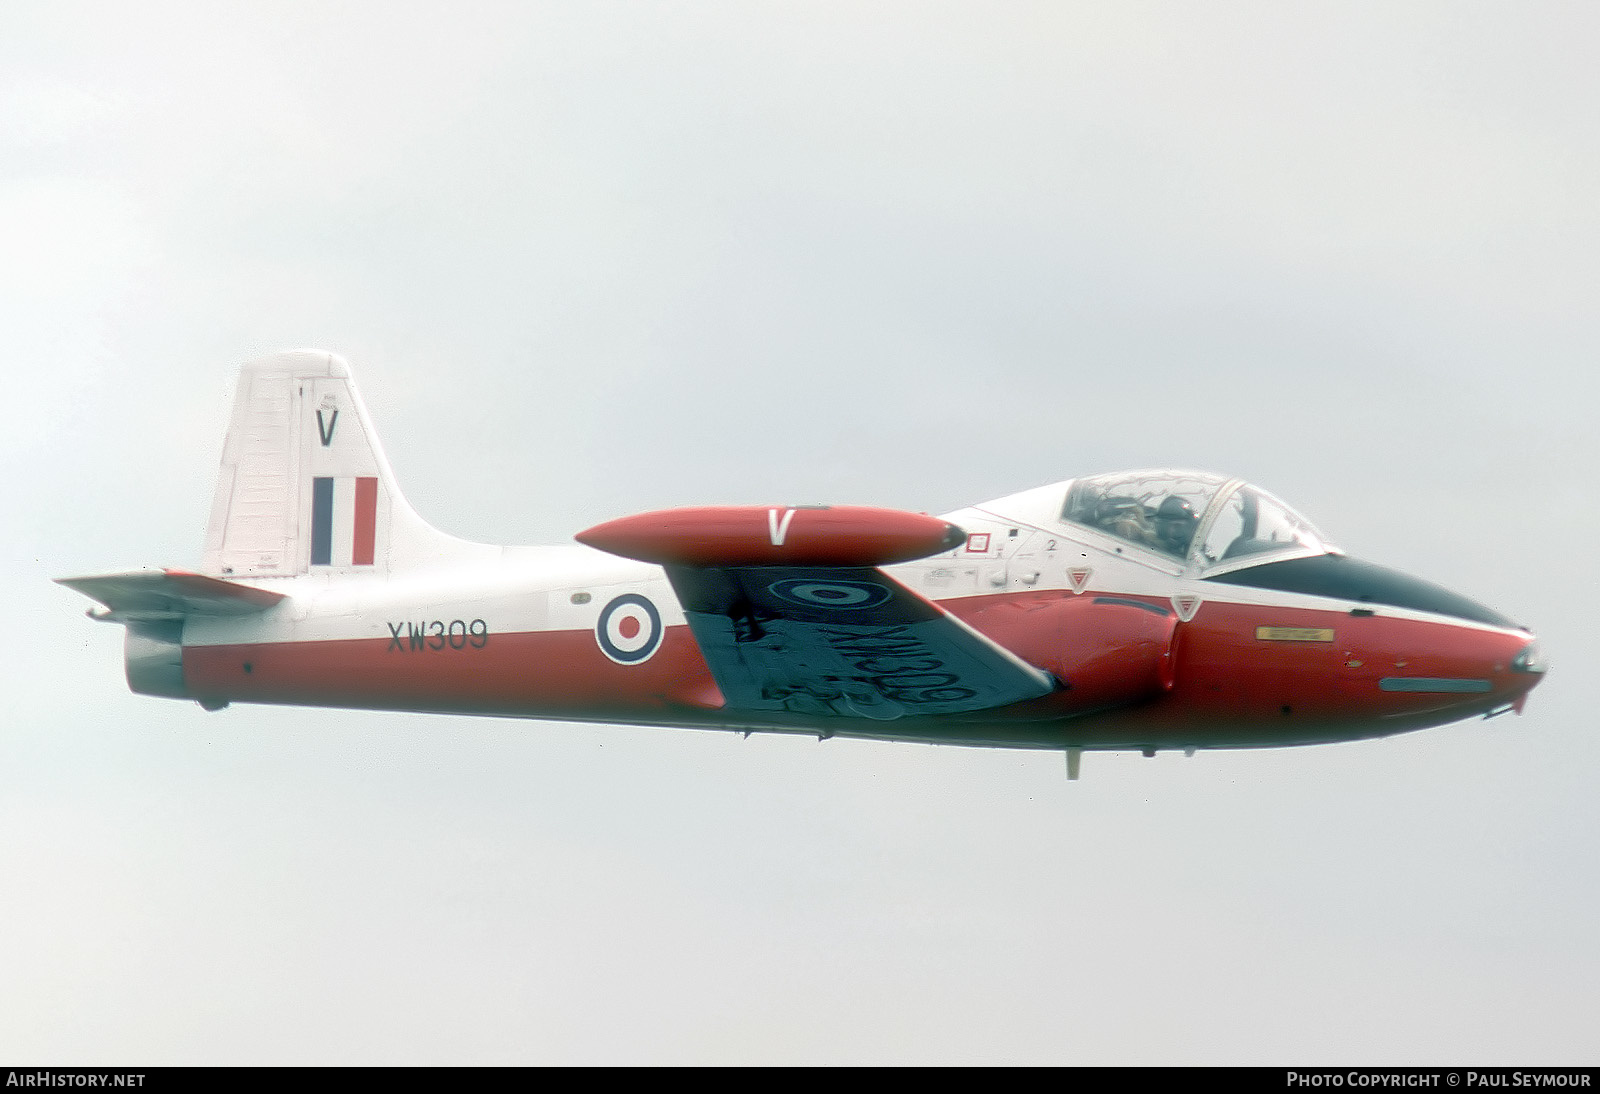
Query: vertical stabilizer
<point>304,487</point>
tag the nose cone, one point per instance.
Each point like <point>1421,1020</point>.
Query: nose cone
<point>1460,671</point>
<point>1528,667</point>
<point>1468,659</point>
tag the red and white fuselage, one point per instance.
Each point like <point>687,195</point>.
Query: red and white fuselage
<point>1146,610</point>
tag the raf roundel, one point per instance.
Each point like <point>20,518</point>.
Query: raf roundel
<point>812,593</point>
<point>629,629</point>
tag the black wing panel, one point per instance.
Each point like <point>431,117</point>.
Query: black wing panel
<point>843,641</point>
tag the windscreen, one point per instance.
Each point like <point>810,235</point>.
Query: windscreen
<point>1250,522</point>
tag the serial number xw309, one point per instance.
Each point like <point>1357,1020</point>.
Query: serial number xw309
<point>438,634</point>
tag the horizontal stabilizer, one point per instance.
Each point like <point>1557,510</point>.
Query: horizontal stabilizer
<point>168,594</point>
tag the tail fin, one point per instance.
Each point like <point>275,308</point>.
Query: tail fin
<point>304,487</point>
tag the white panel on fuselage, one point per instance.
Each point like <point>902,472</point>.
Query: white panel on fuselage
<point>526,589</point>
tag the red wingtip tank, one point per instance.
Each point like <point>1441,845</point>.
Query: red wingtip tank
<point>759,535</point>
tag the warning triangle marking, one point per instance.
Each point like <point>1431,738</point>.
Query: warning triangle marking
<point>1079,577</point>
<point>1185,604</point>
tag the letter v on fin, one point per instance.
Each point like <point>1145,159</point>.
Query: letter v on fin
<point>326,431</point>
<point>780,531</point>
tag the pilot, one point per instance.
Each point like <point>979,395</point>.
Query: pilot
<point>1124,518</point>
<point>1175,525</point>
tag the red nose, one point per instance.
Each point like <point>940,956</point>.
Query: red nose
<point>1421,667</point>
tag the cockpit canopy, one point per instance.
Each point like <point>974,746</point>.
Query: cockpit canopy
<point>1193,517</point>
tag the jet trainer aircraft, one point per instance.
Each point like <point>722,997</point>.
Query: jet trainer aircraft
<point>1143,610</point>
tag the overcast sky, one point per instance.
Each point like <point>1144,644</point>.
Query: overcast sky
<point>587,259</point>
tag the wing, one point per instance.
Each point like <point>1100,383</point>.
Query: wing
<point>791,613</point>
<point>847,641</point>
<point>168,594</point>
